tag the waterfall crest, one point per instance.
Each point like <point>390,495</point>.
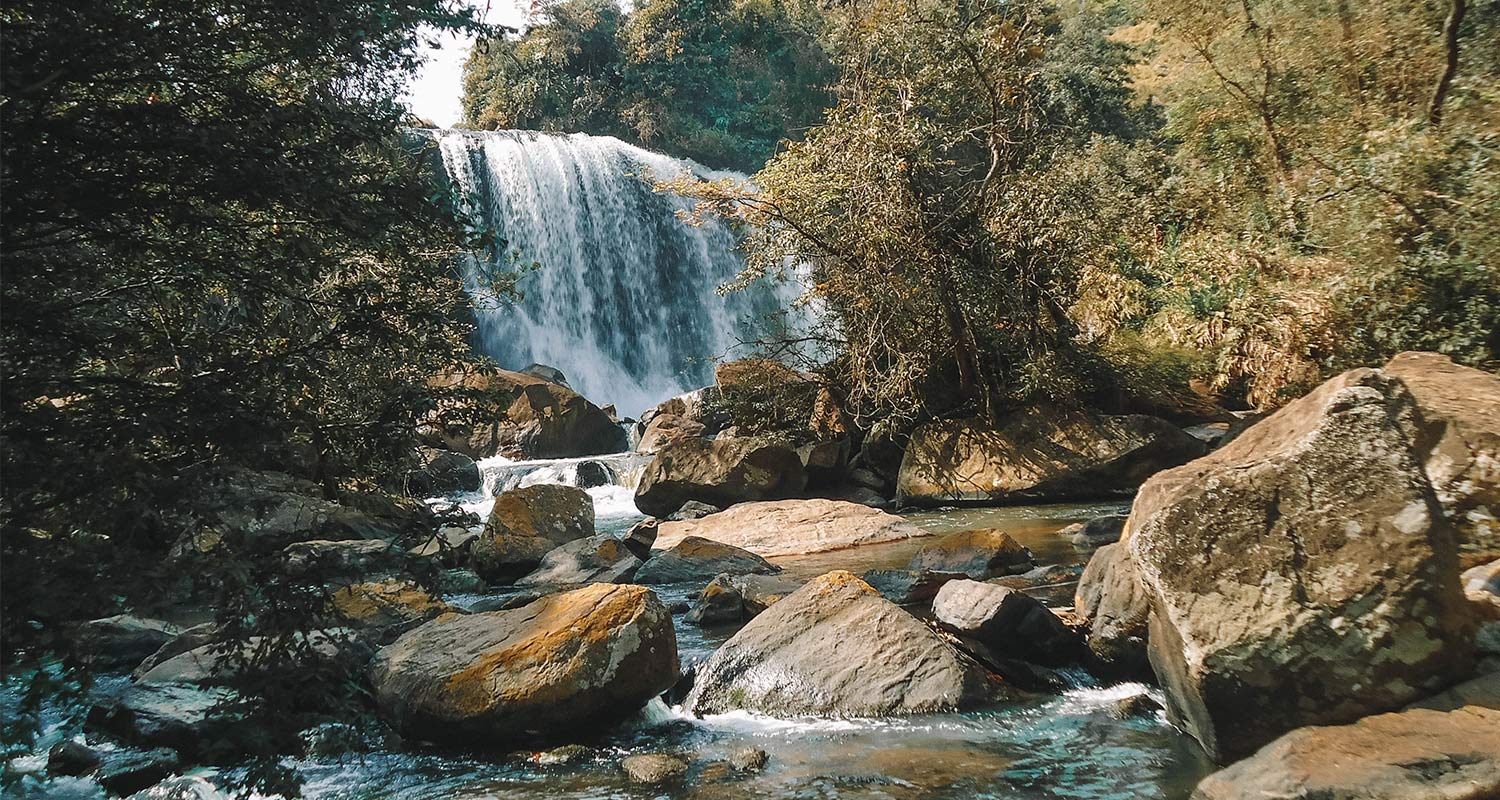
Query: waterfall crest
<point>623,302</point>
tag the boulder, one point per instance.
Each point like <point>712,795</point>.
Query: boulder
<point>267,510</point>
<point>181,787</point>
<point>748,759</point>
<point>122,641</point>
<point>336,561</point>
<point>835,647</point>
<point>190,639</point>
<point>978,554</point>
<point>653,767</point>
<point>826,462</point>
<point>125,772</point>
<point>1302,574</point>
<point>720,472</point>
<point>461,581</point>
<point>169,715</point>
<point>442,472</point>
<point>692,509</point>
<point>695,559</point>
<point>641,536</point>
<point>792,527</point>
<point>208,664</point>
<point>596,559</point>
<point>666,429</point>
<point>546,373</point>
<point>526,524</point>
<point>732,599</point>
<point>1459,443</point>
<point>1482,588</point>
<point>1451,752</point>
<point>704,406</point>
<point>1097,532</point>
<point>560,666</point>
<point>1006,622</point>
<point>520,416</point>
<point>386,609</point>
<point>906,587</point>
<point>449,545</point>
<point>1038,454</point>
<point>1111,600</point>
<point>70,757</point>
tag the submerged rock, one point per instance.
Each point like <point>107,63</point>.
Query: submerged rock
<point>653,767</point>
<point>978,554</point>
<point>528,523</point>
<point>597,559</point>
<point>1302,574</point>
<point>1007,623</point>
<point>906,587</point>
<point>1447,752</point>
<point>181,787</point>
<point>835,647</point>
<point>736,598</point>
<point>792,527</point>
<point>1459,444</point>
<point>170,715</point>
<point>721,472</point>
<point>1038,454</point>
<point>698,559</point>
<point>1097,532</point>
<point>126,772</point>
<point>560,666</point>
<point>519,416</point>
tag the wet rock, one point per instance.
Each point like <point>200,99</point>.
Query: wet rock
<point>692,509</point>
<point>1302,574</point>
<point>1038,454</point>
<point>1047,575</point>
<point>1008,623</point>
<point>1459,442</point>
<point>696,559</point>
<point>748,759</point>
<point>731,599</point>
<point>208,664</point>
<point>1136,705</point>
<point>177,716</point>
<point>592,474</point>
<point>567,754</point>
<point>126,772</point>
<point>978,554</point>
<point>519,416</point>
<point>906,587</point>
<point>181,787</point>
<point>564,664</point>
<point>70,757</point>
<point>1097,532</point>
<point>442,472</point>
<point>1450,753</point>
<point>1482,589</point>
<point>597,559</point>
<point>122,641</point>
<point>836,647</point>
<point>792,527</point>
<point>461,581</point>
<point>667,429</point>
<point>653,767</point>
<point>1114,604</point>
<point>190,639</point>
<point>720,472</point>
<point>526,524</point>
<point>386,609</point>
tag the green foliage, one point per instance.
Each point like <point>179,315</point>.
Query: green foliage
<point>718,81</point>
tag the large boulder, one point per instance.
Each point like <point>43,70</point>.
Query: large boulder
<point>122,641</point>
<point>835,647</point>
<point>267,510</point>
<point>528,523</point>
<point>178,716</point>
<point>665,429</point>
<point>1111,600</point>
<point>1006,623</point>
<point>721,472</point>
<point>703,406</point>
<point>595,559</point>
<point>441,472</point>
<point>1038,454</point>
<point>791,527</point>
<point>386,609</point>
<point>1459,441</point>
<point>979,554</point>
<point>516,415</point>
<point>560,666</point>
<point>695,559</point>
<point>1442,751</point>
<point>732,599</point>
<point>1303,574</point>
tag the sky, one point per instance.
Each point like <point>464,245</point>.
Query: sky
<point>436,93</point>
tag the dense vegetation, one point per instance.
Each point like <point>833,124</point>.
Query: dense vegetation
<point>719,81</point>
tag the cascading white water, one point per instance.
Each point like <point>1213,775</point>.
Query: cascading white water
<point>624,300</point>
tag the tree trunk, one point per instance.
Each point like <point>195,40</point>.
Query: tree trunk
<point>1450,65</point>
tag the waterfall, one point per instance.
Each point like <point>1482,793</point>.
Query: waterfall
<point>623,300</point>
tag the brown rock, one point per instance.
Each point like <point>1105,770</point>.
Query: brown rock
<point>697,559</point>
<point>978,554</point>
<point>387,608</point>
<point>731,599</point>
<point>526,524</point>
<point>1482,588</point>
<point>1459,440</point>
<point>1006,622</point>
<point>518,416</point>
<point>720,472</point>
<point>595,559</point>
<point>1037,454</point>
<point>1302,574</point>
<point>664,429</point>
<point>791,527</point>
<point>566,663</point>
<point>1112,601</point>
